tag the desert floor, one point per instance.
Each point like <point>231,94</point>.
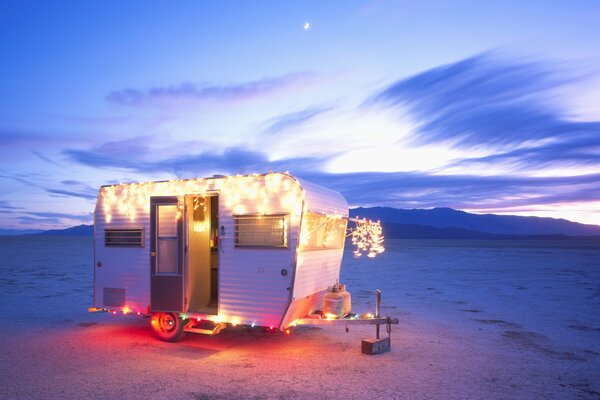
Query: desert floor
<point>478,319</point>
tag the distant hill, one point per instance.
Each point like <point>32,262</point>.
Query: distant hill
<point>81,230</point>
<point>466,225</point>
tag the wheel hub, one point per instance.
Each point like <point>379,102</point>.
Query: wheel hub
<point>166,322</point>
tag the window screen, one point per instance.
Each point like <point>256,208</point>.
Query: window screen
<point>268,231</point>
<point>321,231</point>
<point>124,237</point>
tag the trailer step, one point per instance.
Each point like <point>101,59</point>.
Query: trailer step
<point>204,327</point>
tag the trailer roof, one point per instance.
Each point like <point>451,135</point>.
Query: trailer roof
<point>315,197</point>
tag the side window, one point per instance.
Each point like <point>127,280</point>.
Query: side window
<point>264,231</point>
<point>124,237</point>
<point>320,231</point>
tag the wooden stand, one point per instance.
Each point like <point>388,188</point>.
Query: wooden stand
<point>374,346</point>
<point>377,345</point>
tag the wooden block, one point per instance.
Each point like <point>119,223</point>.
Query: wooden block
<point>373,346</point>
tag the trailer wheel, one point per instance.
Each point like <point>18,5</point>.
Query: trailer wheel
<point>167,327</point>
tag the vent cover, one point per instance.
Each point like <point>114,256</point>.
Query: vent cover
<point>267,231</point>
<point>114,297</point>
<point>124,237</point>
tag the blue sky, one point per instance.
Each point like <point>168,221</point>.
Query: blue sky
<point>481,106</point>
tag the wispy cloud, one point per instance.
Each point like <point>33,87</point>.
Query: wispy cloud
<point>75,189</point>
<point>70,193</point>
<point>482,99</point>
<point>51,219</point>
<point>5,205</point>
<point>34,180</point>
<point>31,139</point>
<point>36,222</point>
<point>577,151</point>
<point>25,178</point>
<point>126,154</point>
<point>422,190</point>
<point>293,120</point>
<point>497,103</point>
<point>43,157</point>
<point>74,217</point>
<point>198,93</point>
<point>233,160</point>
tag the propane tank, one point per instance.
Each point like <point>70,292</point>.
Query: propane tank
<point>333,303</point>
<point>347,299</point>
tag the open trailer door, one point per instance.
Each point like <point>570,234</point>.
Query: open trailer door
<point>166,255</point>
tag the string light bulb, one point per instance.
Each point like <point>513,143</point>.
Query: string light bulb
<point>368,238</point>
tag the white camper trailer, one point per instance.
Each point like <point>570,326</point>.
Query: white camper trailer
<point>256,250</point>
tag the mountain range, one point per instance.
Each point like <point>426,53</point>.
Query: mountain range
<point>485,223</point>
<point>436,223</point>
<point>447,223</point>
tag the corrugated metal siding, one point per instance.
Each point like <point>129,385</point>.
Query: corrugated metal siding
<point>318,269</point>
<point>252,289</point>
<point>123,267</point>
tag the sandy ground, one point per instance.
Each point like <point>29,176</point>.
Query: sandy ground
<point>467,332</point>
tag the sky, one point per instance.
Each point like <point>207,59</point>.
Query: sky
<point>488,107</point>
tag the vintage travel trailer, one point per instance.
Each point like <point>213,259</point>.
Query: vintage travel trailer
<point>199,254</point>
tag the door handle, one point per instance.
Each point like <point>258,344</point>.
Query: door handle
<point>152,254</point>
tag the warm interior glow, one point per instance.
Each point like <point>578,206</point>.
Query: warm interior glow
<point>322,231</point>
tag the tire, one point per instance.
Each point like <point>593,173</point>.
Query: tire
<point>167,327</point>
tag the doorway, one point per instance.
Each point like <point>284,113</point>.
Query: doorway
<point>202,255</point>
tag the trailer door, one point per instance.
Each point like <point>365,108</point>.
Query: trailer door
<point>166,248</point>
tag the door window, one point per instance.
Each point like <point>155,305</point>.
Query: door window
<point>167,243</point>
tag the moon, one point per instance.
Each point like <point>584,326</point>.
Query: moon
<point>306,26</point>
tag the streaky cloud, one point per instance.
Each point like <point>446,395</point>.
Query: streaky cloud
<point>424,190</point>
<point>485,99</point>
<point>188,91</point>
<point>230,161</point>
<point>583,151</point>
<point>69,193</point>
<point>27,139</point>
<point>44,158</point>
<point>76,217</point>
<point>29,220</point>
<point>5,205</point>
<point>292,120</point>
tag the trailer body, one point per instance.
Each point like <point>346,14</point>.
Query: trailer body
<point>257,250</point>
